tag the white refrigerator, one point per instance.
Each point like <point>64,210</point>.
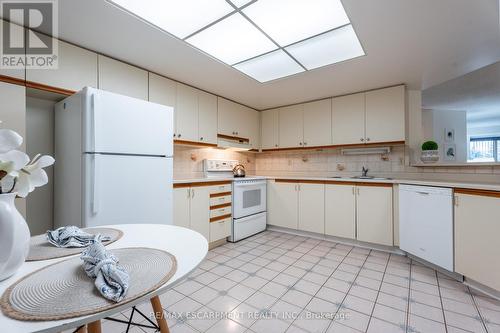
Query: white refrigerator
<point>113,160</point>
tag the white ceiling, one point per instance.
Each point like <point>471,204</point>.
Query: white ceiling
<point>417,42</point>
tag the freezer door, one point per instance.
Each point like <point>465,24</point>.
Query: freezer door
<point>122,124</point>
<point>127,189</point>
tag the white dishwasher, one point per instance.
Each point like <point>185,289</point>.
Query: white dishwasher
<point>426,223</point>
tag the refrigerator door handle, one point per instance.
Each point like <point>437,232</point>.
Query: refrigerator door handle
<point>95,184</point>
<point>95,103</point>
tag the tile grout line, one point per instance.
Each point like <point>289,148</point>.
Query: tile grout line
<point>282,271</point>
<point>477,309</point>
<point>408,302</point>
<point>329,276</point>
<point>378,292</point>
<point>350,287</point>
<point>441,301</point>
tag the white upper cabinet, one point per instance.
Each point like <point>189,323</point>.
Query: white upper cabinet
<point>228,122</point>
<point>162,90</point>
<point>118,77</point>
<point>291,126</point>
<point>270,129</point>
<point>207,117</point>
<point>348,119</point>
<point>17,33</point>
<point>250,125</point>
<point>385,114</point>
<point>186,109</point>
<point>239,121</point>
<point>77,68</point>
<point>318,123</point>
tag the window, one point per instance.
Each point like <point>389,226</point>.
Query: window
<point>484,149</point>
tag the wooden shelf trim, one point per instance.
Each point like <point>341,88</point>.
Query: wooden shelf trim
<point>199,184</point>
<point>218,218</point>
<point>483,193</point>
<point>234,138</point>
<point>35,85</point>
<point>221,194</point>
<point>194,143</point>
<point>356,145</point>
<point>220,206</point>
<point>333,182</point>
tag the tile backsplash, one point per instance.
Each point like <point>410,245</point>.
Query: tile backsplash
<point>188,163</point>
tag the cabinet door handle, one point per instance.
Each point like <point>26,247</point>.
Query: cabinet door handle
<point>353,191</point>
<point>300,143</point>
<point>192,193</point>
<point>367,139</point>
<point>455,199</point>
<point>201,139</point>
<point>362,139</point>
<point>276,145</point>
<point>178,135</point>
<point>305,143</point>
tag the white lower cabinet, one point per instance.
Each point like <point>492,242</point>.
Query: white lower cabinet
<point>182,199</point>
<point>282,204</point>
<point>220,229</point>
<point>340,211</point>
<point>311,207</point>
<point>193,209</point>
<point>200,210</point>
<point>361,212</point>
<point>374,214</point>
<point>477,250</point>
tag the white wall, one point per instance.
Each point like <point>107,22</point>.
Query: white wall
<point>435,123</point>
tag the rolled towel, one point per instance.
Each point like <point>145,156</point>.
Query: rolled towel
<point>72,236</point>
<point>111,280</point>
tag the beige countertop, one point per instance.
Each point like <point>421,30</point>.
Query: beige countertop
<point>452,184</point>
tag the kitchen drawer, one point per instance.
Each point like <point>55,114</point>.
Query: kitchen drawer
<point>214,201</point>
<point>220,188</point>
<point>220,229</point>
<point>220,211</point>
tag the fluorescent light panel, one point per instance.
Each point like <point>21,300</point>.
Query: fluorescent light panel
<point>270,66</point>
<point>314,32</point>
<point>335,46</point>
<point>178,17</point>
<point>289,21</point>
<point>232,40</point>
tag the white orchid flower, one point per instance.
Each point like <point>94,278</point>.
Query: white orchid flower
<point>13,161</point>
<point>33,175</point>
<point>9,140</point>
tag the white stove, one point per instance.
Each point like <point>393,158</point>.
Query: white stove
<point>249,200</point>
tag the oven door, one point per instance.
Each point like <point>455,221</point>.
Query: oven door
<point>249,197</point>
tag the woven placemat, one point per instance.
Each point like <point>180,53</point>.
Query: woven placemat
<point>63,290</point>
<point>41,249</point>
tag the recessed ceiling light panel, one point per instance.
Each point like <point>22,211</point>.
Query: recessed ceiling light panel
<point>232,40</point>
<point>335,46</point>
<point>270,66</point>
<point>178,17</point>
<point>265,39</point>
<point>288,21</point>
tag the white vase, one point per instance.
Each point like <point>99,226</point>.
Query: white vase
<point>14,237</point>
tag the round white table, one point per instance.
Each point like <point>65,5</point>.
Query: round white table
<point>188,247</point>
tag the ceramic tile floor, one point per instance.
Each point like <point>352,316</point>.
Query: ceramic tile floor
<point>275,282</point>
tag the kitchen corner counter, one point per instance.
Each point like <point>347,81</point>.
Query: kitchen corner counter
<point>422,182</point>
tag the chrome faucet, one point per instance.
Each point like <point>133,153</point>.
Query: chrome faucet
<point>364,172</point>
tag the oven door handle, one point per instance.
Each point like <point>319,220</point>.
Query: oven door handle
<point>250,184</point>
